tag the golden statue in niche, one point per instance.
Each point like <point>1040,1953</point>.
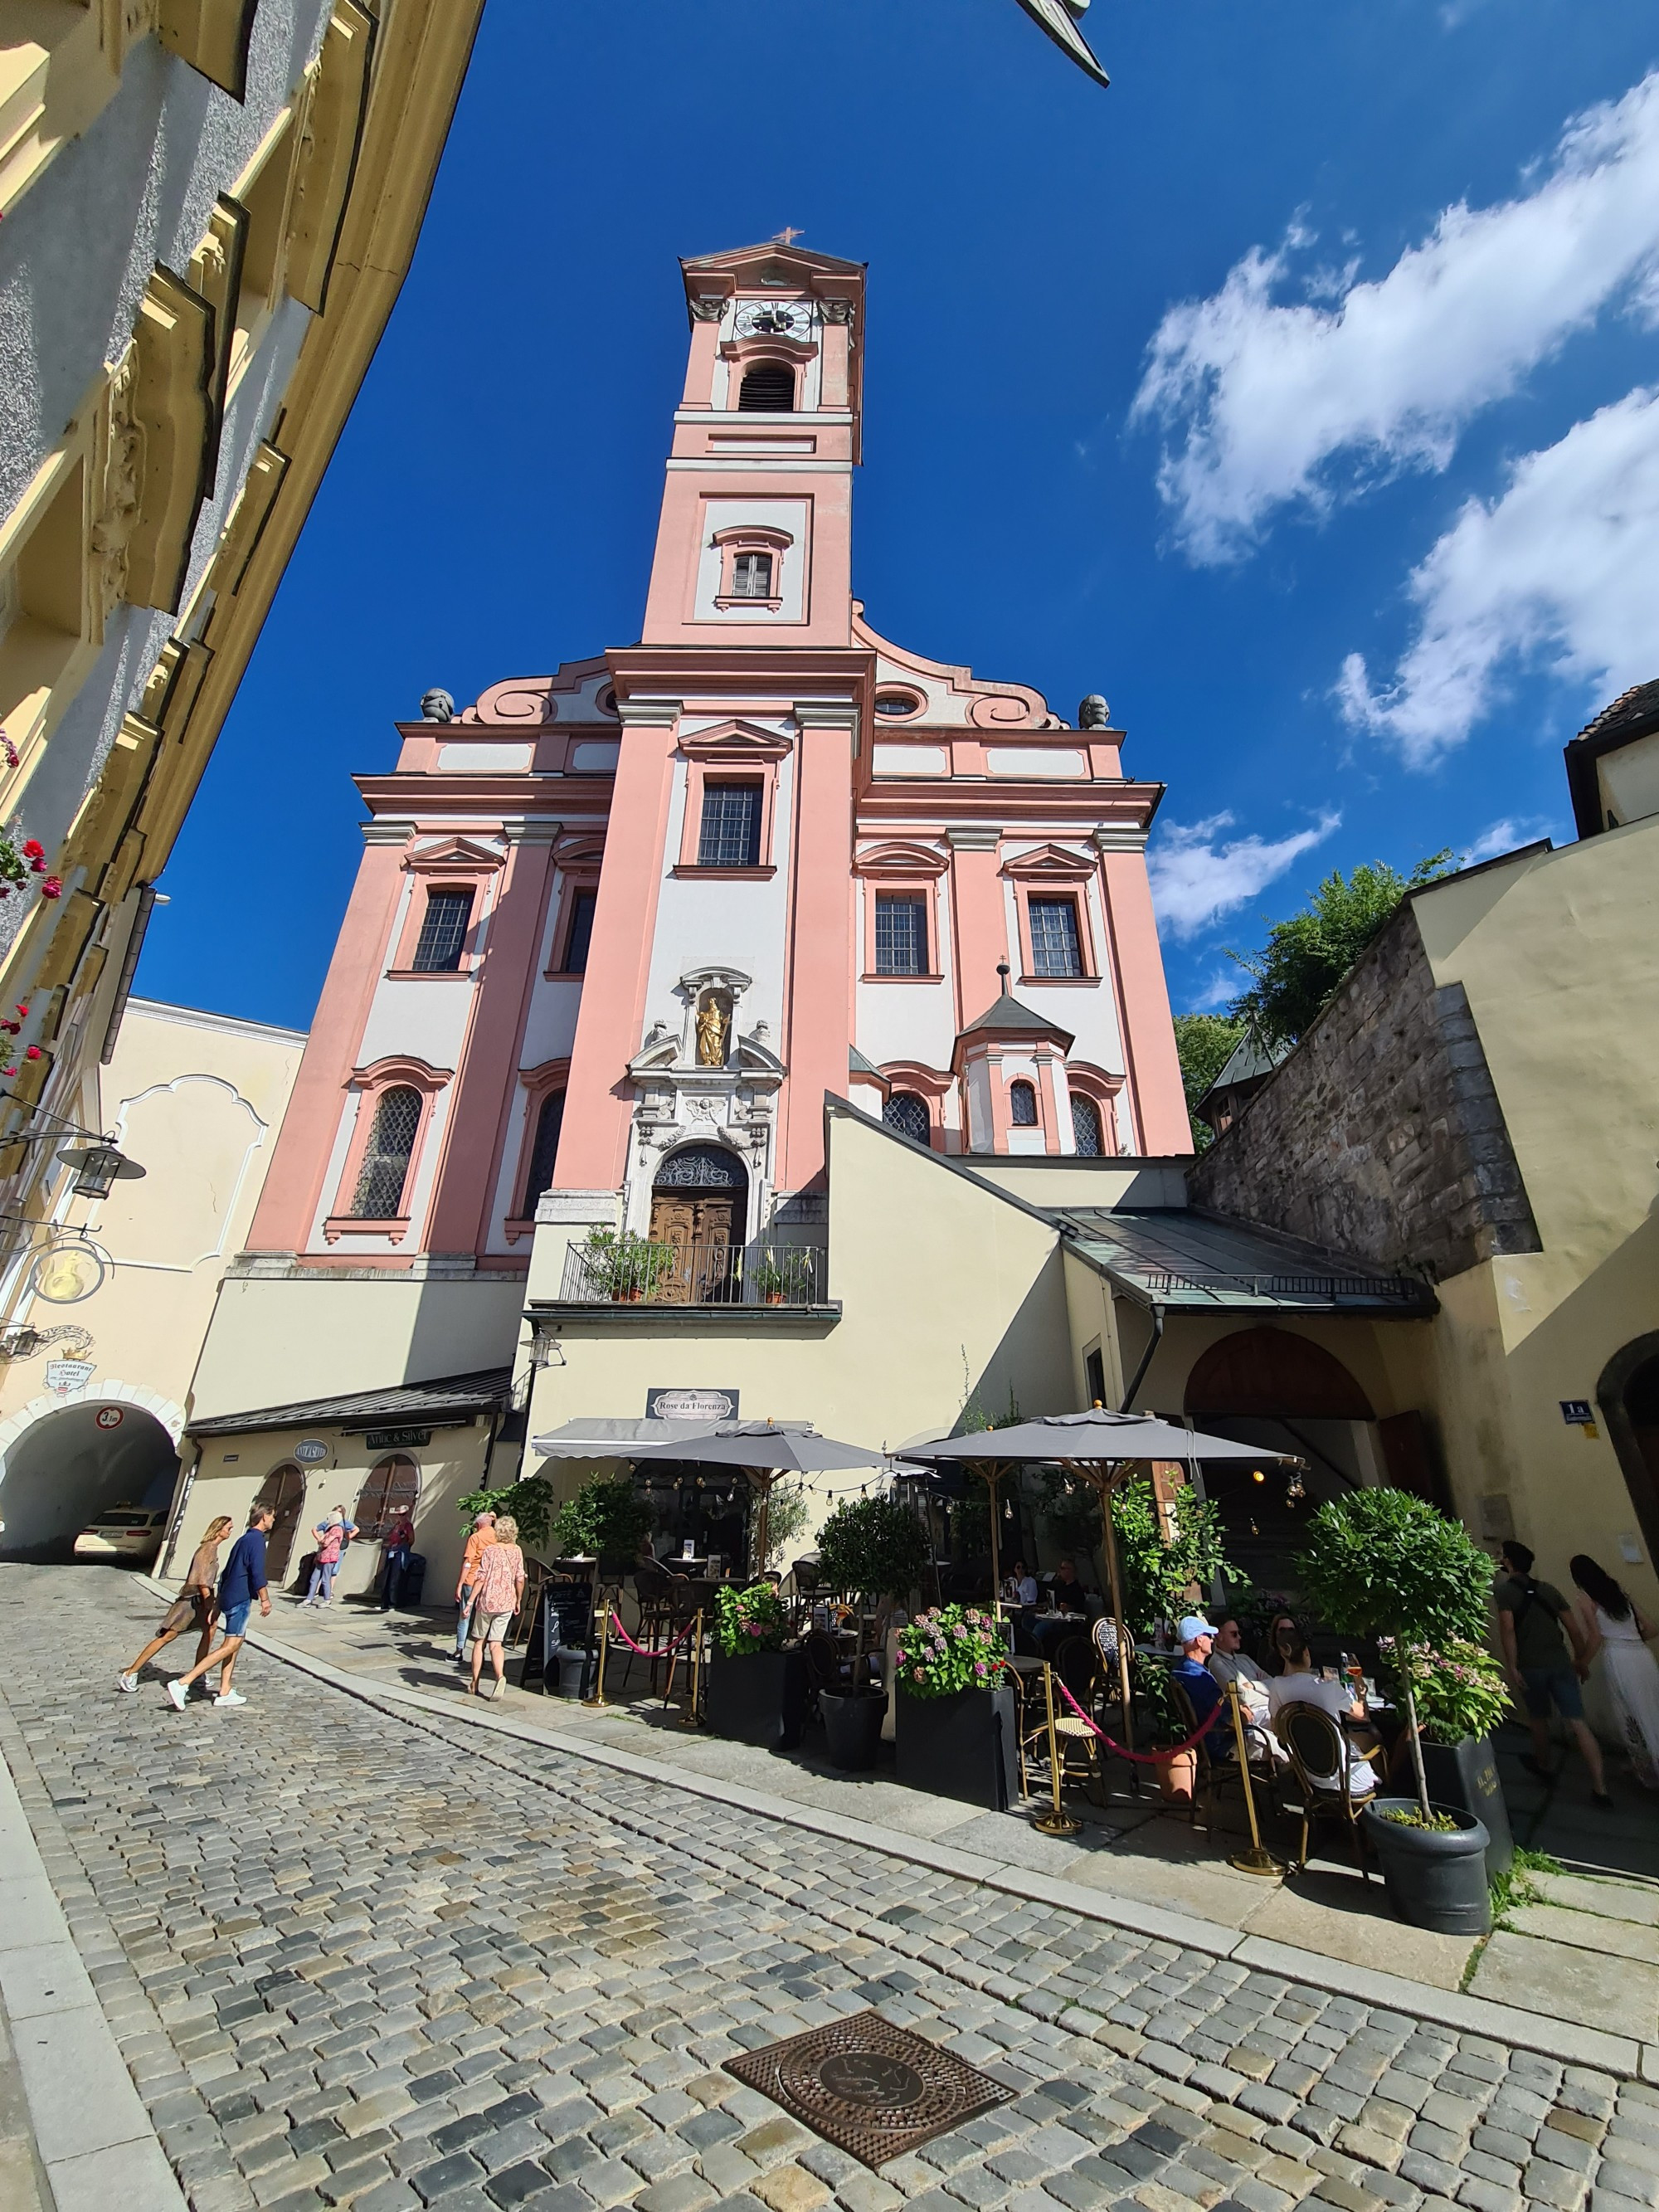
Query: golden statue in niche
<point>712,1027</point>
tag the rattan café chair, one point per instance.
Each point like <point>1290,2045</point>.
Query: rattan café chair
<point>1320,1762</point>
<point>1074,1739</point>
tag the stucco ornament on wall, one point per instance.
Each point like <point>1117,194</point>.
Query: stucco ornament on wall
<point>677,1092</point>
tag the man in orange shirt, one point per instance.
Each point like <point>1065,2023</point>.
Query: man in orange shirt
<point>483,1535</point>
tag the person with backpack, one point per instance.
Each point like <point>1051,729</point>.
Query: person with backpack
<point>1536,1626</point>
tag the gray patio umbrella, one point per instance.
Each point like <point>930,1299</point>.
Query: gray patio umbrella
<point>764,1450</point>
<point>1101,1447</point>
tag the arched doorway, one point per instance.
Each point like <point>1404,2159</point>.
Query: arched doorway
<point>1628,1394</point>
<point>283,1491</point>
<point>700,1209</point>
<point>1276,1389</point>
<point>69,1467</point>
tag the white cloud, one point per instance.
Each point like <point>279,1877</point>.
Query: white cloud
<point>1267,395</point>
<point>1557,573</point>
<point>1504,836</point>
<point>1196,877</point>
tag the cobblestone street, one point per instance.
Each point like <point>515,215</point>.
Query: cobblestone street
<point>351,1957</point>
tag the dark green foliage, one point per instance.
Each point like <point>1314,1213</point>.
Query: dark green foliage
<point>1295,975</point>
<point>603,1520</point>
<point>1205,1043</point>
<point>1157,1577</point>
<point>873,1545</point>
<point>1072,1509</point>
<point>529,1502</point>
<point>1383,1563</point>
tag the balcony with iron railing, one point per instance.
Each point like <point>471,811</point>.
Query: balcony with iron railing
<point>631,1271</point>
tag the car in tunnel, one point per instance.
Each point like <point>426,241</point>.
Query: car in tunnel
<point>127,1532</point>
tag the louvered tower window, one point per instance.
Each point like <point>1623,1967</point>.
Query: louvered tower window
<point>768,388</point>
<point>751,576</point>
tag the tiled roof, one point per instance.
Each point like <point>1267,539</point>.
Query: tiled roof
<point>1008,1016</point>
<point>452,1397</point>
<point>1639,704</point>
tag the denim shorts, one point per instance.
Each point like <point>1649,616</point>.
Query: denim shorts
<point>1553,1685</point>
<point>235,1619</point>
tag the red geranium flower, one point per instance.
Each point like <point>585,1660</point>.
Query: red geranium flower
<point>31,1052</point>
<point>52,888</point>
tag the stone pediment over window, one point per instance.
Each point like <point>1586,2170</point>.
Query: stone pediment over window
<point>909,861</point>
<point>734,741</point>
<point>454,852</point>
<point>1049,863</point>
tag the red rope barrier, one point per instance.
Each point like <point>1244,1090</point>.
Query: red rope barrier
<point>1141,1758</point>
<point>668,1649</point>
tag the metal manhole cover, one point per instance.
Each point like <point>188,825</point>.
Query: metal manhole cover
<point>870,2088</point>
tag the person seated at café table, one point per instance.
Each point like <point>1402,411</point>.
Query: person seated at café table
<point>1191,1670</point>
<point>1020,1587</point>
<point>1298,1685</point>
<point>1284,1638</point>
<point>1069,1594</point>
<point>1230,1663</point>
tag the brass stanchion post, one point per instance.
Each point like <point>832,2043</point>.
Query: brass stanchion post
<point>1258,1859</point>
<point>1057,1821</point>
<point>690,1715</point>
<point>598,1697</point>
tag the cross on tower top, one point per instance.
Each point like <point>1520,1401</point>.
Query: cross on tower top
<point>786,236</point>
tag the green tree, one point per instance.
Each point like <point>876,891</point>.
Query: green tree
<point>876,1545</point>
<point>1205,1043</point>
<point>1383,1563</point>
<point>1159,1572</point>
<point>1295,976</point>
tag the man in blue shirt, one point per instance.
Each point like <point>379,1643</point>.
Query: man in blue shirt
<point>1191,1670</point>
<point>241,1583</point>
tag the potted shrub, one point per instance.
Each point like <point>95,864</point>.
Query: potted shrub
<point>877,1547</point>
<point>957,1734</point>
<point>757,1691</point>
<point>604,1520</point>
<point>626,1267</point>
<point>1460,1696</point>
<point>1383,1563</point>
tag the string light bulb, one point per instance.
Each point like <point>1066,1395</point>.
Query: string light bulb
<point>1256,1475</point>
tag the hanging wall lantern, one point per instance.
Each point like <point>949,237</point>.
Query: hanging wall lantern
<point>97,1166</point>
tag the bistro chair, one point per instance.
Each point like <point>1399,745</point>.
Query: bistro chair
<point>653,1588</point>
<point>689,1598</point>
<point>1074,1739</point>
<point>1319,1764</point>
<point>827,1668</point>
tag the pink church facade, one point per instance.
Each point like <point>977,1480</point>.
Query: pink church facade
<point>618,931</point>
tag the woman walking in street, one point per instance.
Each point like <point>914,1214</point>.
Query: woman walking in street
<point>195,1605</point>
<point>1612,1624</point>
<point>332,1536</point>
<point>495,1597</point>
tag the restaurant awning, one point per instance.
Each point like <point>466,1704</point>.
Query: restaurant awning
<point>1188,1261</point>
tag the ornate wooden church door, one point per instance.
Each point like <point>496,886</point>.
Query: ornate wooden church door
<point>698,1208</point>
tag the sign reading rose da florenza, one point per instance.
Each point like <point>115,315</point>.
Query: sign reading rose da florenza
<point>673,1405</point>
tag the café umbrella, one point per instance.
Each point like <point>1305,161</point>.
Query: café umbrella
<point>764,1451</point>
<point>1101,1448</point>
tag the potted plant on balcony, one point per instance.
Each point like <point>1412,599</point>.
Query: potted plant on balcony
<point>626,1267</point>
<point>1383,1563</point>
<point>875,1547</point>
<point>1460,1696</point>
<point>757,1689</point>
<point>956,1734</point>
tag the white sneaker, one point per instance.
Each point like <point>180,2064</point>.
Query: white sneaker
<point>176,1694</point>
<point>230,1698</point>
<point>126,1681</point>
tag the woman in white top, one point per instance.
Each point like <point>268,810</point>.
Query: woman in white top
<point>1612,1624</point>
<point>1299,1685</point>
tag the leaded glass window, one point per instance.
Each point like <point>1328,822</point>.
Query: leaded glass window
<point>544,1156</point>
<point>380,1193</point>
<point>900,936</point>
<point>1054,937</point>
<point>730,832</point>
<point>908,1115</point>
<point>443,932</point>
<point>1085,1126</point>
<point>1022,1106</point>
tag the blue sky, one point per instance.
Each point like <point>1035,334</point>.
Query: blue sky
<point>1294,393</point>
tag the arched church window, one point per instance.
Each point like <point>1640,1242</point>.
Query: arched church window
<point>1085,1126</point>
<point>380,1193</point>
<point>1022,1105</point>
<point>545,1155</point>
<point>702,1167</point>
<point>768,388</point>
<point>908,1115</point>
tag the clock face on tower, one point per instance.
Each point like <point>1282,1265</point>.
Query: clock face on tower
<point>773,319</point>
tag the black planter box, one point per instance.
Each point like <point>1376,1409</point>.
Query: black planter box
<point>760,1699</point>
<point>964,1745</point>
<point>1465,1776</point>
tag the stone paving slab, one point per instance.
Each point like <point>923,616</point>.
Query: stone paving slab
<point>359,1952</point>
